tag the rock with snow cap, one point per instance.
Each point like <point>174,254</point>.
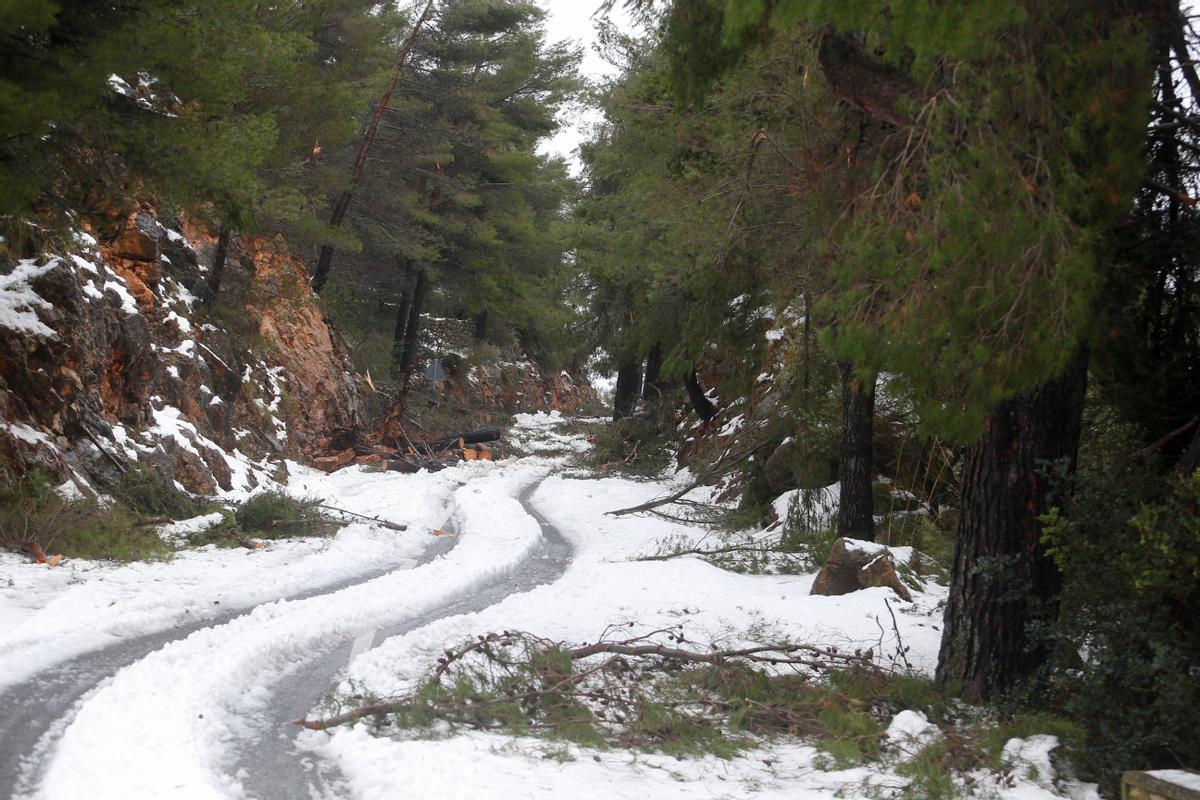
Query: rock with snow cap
<point>854,565</point>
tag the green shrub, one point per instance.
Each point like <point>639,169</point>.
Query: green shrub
<point>268,515</point>
<point>808,529</point>
<point>638,445</point>
<point>1127,645</point>
<point>932,771</point>
<point>279,515</point>
<point>32,512</point>
<point>143,492</point>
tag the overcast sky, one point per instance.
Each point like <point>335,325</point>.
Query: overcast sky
<point>572,19</point>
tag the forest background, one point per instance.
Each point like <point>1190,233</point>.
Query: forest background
<point>960,241</point>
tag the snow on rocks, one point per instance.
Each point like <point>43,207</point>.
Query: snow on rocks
<point>25,433</point>
<point>853,565</point>
<point>18,300</point>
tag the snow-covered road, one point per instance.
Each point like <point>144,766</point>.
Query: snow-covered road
<point>172,722</point>
<point>275,769</point>
<point>179,680</point>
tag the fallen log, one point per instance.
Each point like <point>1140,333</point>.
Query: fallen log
<point>408,466</point>
<point>476,436</point>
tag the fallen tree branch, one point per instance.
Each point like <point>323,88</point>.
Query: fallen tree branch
<point>1182,429</point>
<point>722,467</point>
<point>571,682</point>
<point>650,505</point>
<point>716,552</point>
<point>392,526</point>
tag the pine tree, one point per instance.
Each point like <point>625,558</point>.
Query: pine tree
<point>455,189</point>
<point>979,296</point>
<point>212,105</point>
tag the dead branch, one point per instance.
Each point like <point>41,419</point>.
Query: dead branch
<point>715,552</point>
<point>392,526</point>
<point>794,654</point>
<point>821,657</point>
<point>901,650</point>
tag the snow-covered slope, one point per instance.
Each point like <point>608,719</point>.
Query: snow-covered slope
<point>110,355</point>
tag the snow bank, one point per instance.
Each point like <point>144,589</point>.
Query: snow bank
<point>48,616</point>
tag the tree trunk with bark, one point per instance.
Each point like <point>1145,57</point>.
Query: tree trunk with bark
<point>878,90</point>
<point>625,397</point>
<point>218,266</point>
<point>325,260</point>
<point>695,392</point>
<point>481,321</point>
<point>398,336</point>
<point>651,390</point>
<point>1002,579</point>
<point>856,506</point>
<point>410,334</point>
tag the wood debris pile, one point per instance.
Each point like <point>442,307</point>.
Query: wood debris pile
<point>431,453</point>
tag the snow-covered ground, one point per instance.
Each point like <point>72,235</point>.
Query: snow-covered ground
<point>49,615</point>
<point>169,725</point>
<point>601,588</point>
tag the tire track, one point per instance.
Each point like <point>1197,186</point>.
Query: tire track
<point>275,769</point>
<point>33,711</point>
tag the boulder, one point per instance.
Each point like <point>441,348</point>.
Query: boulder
<point>854,565</point>
<point>218,466</point>
<point>174,462</point>
<point>140,238</point>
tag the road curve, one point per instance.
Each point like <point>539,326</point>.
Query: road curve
<point>35,713</point>
<point>276,770</point>
<point>32,711</point>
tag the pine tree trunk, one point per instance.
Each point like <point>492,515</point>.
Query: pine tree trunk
<point>218,266</point>
<point>1002,580</point>
<point>325,260</point>
<point>410,334</point>
<point>695,392</point>
<point>856,514</point>
<point>650,387</point>
<point>481,320</point>
<point>398,335</point>
<point>626,394</point>
<point>342,205</point>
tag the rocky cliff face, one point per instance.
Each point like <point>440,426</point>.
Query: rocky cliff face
<point>508,381</point>
<point>109,356</point>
